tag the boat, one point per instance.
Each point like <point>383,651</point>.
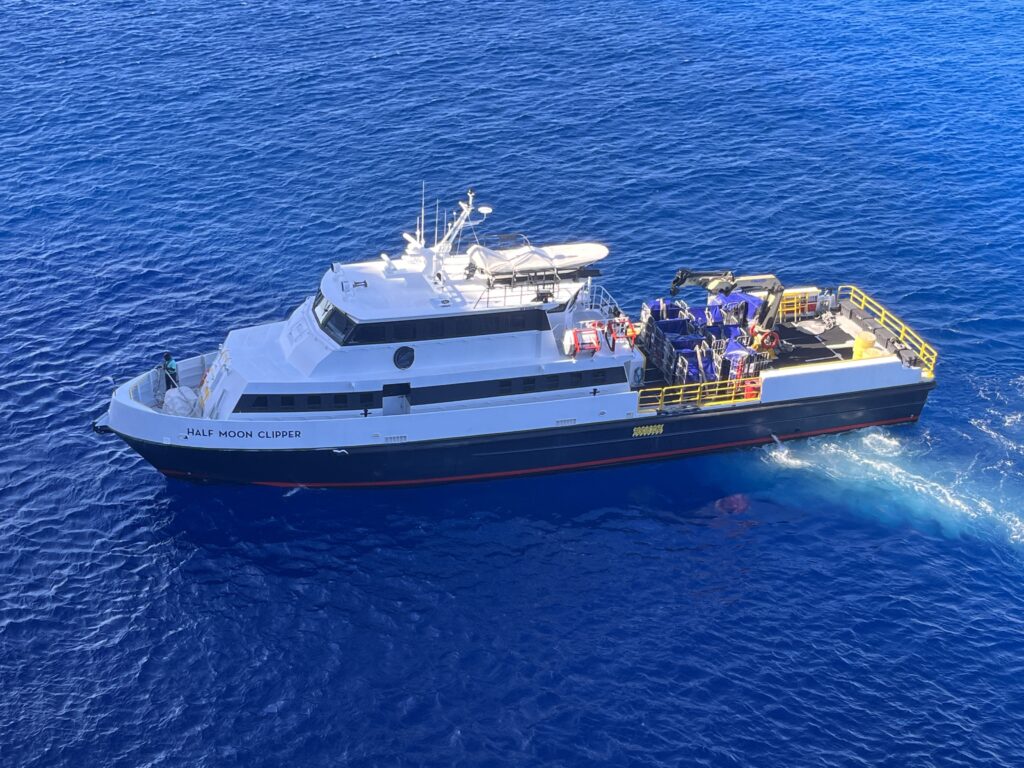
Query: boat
<point>478,358</point>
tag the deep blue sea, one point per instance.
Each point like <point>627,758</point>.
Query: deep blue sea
<point>171,170</point>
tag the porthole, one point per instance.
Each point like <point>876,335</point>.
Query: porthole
<point>404,357</point>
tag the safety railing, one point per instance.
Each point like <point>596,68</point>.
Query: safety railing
<point>905,334</point>
<point>520,294</point>
<point>596,297</point>
<point>700,394</point>
<point>148,388</point>
<point>798,303</point>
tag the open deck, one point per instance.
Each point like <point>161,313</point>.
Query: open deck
<point>810,332</point>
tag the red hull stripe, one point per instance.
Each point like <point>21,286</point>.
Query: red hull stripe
<point>578,464</point>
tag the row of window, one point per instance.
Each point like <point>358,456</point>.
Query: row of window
<point>351,401</point>
<point>524,385</point>
<point>444,393</point>
<point>346,331</point>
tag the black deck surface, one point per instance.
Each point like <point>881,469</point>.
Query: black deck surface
<point>810,348</point>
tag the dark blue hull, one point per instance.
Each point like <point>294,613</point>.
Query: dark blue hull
<point>549,450</point>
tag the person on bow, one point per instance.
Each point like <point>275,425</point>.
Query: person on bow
<point>170,368</point>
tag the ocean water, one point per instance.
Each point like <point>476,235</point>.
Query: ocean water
<point>171,170</point>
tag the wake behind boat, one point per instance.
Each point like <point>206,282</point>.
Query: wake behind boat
<point>507,359</point>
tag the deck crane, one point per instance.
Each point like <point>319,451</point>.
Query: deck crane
<point>722,281</point>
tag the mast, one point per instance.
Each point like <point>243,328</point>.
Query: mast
<point>435,256</point>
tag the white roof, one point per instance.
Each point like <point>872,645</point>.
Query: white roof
<point>400,288</point>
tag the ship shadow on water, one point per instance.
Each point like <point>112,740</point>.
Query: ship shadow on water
<point>696,492</point>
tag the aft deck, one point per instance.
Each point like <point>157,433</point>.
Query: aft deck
<point>809,341</point>
<point>815,328</point>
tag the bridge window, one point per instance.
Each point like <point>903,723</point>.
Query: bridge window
<point>332,320</point>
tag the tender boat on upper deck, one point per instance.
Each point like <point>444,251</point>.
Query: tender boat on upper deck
<point>508,359</point>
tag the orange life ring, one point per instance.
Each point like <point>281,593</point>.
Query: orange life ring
<point>770,340</point>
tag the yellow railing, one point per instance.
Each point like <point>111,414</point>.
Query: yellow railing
<point>709,393</point>
<point>925,352</point>
<point>797,304</point>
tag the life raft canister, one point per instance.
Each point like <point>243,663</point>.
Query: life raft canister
<point>585,340</point>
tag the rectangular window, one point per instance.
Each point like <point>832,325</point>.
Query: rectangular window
<point>487,324</point>
<point>331,320</point>
<point>345,331</point>
<point>529,385</point>
<point>317,402</point>
<point>368,333</point>
<point>403,332</point>
<point>321,308</point>
<point>338,326</point>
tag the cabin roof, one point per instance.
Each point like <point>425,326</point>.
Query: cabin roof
<point>374,291</point>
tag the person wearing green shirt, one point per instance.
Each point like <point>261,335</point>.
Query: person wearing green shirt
<point>170,367</point>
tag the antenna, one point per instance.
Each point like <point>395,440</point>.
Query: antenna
<point>423,215</point>
<point>434,267</point>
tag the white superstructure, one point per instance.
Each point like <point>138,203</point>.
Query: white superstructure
<point>467,335</point>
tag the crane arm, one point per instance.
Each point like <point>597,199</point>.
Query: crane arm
<point>723,281</point>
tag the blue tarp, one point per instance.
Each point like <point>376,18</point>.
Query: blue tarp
<point>684,341</point>
<point>700,317</point>
<point>674,326</point>
<point>738,355</point>
<point>692,368</point>
<point>734,298</point>
<point>663,310</point>
<point>725,331</point>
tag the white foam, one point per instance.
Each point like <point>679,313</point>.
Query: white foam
<point>1002,439</point>
<point>877,466</point>
<point>780,454</point>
